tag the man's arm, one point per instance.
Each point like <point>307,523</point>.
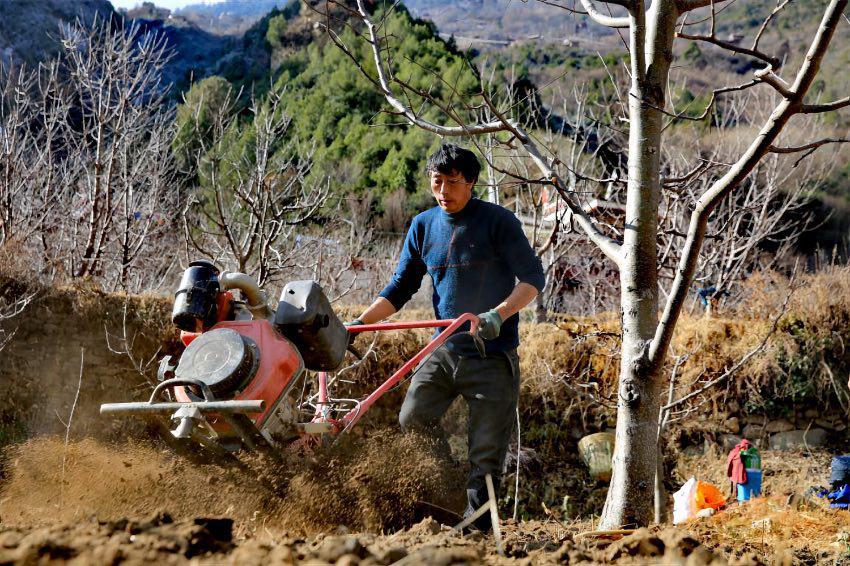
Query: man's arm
<point>405,282</point>
<point>521,296</point>
<point>377,311</point>
<point>513,247</point>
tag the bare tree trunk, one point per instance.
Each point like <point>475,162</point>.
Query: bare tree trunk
<point>636,447</point>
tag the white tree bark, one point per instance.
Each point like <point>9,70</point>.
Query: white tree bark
<point>639,388</point>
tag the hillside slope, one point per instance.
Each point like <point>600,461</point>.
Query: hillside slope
<point>29,31</point>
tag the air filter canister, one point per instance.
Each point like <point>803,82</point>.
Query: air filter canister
<point>222,358</point>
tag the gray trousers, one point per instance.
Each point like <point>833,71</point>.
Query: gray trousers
<point>490,387</point>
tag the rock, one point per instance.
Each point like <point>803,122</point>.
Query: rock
<point>840,427</point>
<point>429,525</point>
<point>454,555</point>
<point>798,439</point>
<point>733,425</point>
<point>705,513</point>
<point>334,548</point>
<point>752,432</point>
<point>779,425</point>
<point>394,554</point>
<point>10,539</point>
<point>639,544</point>
<point>811,413</point>
<point>279,555</point>
<point>728,441</point>
<point>823,423</point>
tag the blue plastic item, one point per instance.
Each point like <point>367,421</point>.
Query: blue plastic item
<point>839,471</point>
<point>840,498</point>
<point>752,488</point>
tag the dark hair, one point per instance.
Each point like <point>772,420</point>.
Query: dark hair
<point>450,157</point>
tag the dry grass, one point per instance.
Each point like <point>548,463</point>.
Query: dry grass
<point>774,526</point>
<point>773,529</point>
<point>583,352</point>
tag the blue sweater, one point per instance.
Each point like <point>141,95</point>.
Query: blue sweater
<point>474,258</point>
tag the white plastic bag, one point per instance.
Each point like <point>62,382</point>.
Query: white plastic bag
<point>684,502</point>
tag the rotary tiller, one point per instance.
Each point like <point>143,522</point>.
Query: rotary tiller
<point>236,385</point>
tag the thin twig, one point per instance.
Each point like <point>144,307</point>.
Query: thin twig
<point>68,430</point>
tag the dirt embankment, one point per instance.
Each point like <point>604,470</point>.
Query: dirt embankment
<point>62,337</point>
<point>374,485</point>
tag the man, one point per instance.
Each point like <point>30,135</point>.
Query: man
<point>481,262</point>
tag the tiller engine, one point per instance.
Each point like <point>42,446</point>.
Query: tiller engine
<point>241,380</point>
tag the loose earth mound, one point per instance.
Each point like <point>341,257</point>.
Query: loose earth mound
<point>374,485</point>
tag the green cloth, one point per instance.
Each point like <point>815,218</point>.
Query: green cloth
<point>751,458</point>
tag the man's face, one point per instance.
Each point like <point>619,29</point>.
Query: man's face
<point>451,190</point>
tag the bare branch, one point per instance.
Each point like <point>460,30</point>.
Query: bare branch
<point>609,246</point>
<point>462,130</point>
<point>779,7</point>
<point>767,76</point>
<point>808,146</point>
<point>600,18</point>
<point>772,61</point>
<point>562,7</point>
<point>737,173</point>
<point>688,5</point>
<point>826,107</point>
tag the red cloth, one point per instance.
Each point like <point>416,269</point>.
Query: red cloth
<point>735,469</point>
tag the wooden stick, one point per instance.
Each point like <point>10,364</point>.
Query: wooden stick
<point>494,514</point>
<point>468,521</point>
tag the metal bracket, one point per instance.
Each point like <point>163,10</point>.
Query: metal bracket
<point>188,419</point>
<point>166,369</point>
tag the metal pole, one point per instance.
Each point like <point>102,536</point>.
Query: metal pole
<point>247,406</point>
<point>353,417</point>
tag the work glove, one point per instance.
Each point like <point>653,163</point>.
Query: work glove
<point>489,325</point>
<point>351,335</point>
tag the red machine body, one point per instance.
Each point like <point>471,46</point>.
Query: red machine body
<point>279,366</point>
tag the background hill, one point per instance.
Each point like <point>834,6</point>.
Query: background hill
<point>560,68</point>
<point>29,30</point>
<point>232,17</point>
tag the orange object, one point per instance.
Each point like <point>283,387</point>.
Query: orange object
<point>708,496</point>
<point>279,366</point>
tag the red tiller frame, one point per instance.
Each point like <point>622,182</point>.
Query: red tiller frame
<point>450,325</point>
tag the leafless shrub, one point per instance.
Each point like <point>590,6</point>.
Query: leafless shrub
<point>86,163</point>
<point>251,202</point>
<point>12,306</point>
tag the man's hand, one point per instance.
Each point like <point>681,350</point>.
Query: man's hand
<point>352,336</point>
<point>489,325</point>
